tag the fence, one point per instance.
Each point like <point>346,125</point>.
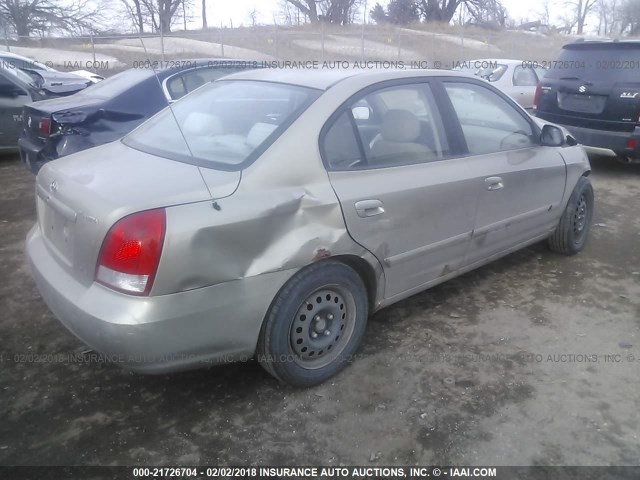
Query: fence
<point>439,47</point>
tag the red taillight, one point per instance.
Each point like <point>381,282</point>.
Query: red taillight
<point>536,97</point>
<point>632,143</point>
<point>44,126</point>
<point>130,252</point>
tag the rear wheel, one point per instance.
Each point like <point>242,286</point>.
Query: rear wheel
<point>314,325</point>
<point>570,236</point>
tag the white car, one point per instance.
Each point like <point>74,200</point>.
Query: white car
<point>516,78</point>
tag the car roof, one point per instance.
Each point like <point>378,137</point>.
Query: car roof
<point>4,53</point>
<point>586,44</point>
<point>323,79</point>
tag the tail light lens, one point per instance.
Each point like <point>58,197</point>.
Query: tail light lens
<point>536,97</point>
<point>130,252</point>
<point>44,126</point>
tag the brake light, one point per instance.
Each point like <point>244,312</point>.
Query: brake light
<point>632,143</point>
<point>536,97</point>
<point>44,126</point>
<point>130,252</point>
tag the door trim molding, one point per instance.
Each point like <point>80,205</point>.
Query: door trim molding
<point>426,249</point>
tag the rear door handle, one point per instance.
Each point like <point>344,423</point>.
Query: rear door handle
<point>494,183</point>
<point>369,208</point>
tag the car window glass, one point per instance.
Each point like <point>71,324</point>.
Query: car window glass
<point>223,124</point>
<point>340,145</point>
<point>524,77</point>
<point>403,127</point>
<point>540,72</point>
<point>180,85</point>
<point>489,123</point>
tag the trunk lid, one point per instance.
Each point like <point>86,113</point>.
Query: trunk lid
<point>81,196</point>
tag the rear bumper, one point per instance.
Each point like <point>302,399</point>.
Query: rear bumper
<point>605,141</point>
<point>192,329</point>
<point>32,155</point>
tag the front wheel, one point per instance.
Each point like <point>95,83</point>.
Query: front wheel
<point>570,236</point>
<point>314,325</point>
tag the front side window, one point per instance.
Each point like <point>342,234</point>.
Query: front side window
<point>224,124</point>
<point>393,126</point>
<point>489,123</point>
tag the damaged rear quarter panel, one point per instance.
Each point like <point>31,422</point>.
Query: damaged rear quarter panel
<point>283,216</point>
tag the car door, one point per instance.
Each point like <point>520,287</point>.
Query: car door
<point>524,81</point>
<point>12,99</point>
<point>404,196</point>
<point>520,183</point>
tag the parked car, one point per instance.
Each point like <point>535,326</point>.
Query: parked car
<point>16,89</point>
<point>257,217</point>
<point>593,90</point>
<point>52,81</point>
<point>112,108</point>
<point>516,78</point>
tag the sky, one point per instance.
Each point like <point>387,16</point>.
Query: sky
<point>225,11</point>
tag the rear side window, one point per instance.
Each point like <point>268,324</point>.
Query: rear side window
<point>341,149</point>
<point>524,77</point>
<point>489,123</point>
<point>606,63</point>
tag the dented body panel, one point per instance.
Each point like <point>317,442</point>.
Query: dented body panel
<point>235,238</point>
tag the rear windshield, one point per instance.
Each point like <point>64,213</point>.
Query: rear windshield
<point>614,63</point>
<point>117,84</point>
<point>224,125</point>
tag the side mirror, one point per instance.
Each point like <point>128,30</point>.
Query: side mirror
<point>10,90</point>
<point>552,136</point>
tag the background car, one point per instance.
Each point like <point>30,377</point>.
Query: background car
<point>16,89</point>
<point>110,109</point>
<point>514,77</point>
<point>257,216</point>
<point>46,78</point>
<point>594,91</point>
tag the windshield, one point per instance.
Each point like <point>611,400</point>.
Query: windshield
<point>223,125</point>
<point>606,63</point>
<point>117,84</point>
<point>20,75</point>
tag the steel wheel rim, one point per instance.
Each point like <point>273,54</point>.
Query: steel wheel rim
<point>331,309</point>
<point>580,217</point>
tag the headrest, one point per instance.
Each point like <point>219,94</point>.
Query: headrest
<point>259,133</point>
<point>400,126</point>
<point>202,124</point>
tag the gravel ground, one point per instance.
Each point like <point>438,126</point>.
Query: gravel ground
<point>506,365</point>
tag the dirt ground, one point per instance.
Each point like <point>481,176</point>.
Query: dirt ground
<point>506,365</point>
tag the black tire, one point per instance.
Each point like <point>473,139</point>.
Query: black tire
<point>570,236</point>
<point>339,305</point>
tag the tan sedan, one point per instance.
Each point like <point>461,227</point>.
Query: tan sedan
<point>270,213</point>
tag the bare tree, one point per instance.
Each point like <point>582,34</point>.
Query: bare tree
<point>25,17</point>
<point>608,16</point>
<point>339,12</point>
<point>544,13</point>
<point>204,14</point>
<point>488,12</point>
<point>581,10</point>
<point>308,7</point>
<point>253,17</point>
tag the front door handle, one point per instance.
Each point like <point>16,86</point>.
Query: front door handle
<point>369,208</point>
<point>494,183</point>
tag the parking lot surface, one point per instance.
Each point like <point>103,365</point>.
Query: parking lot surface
<point>531,360</point>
